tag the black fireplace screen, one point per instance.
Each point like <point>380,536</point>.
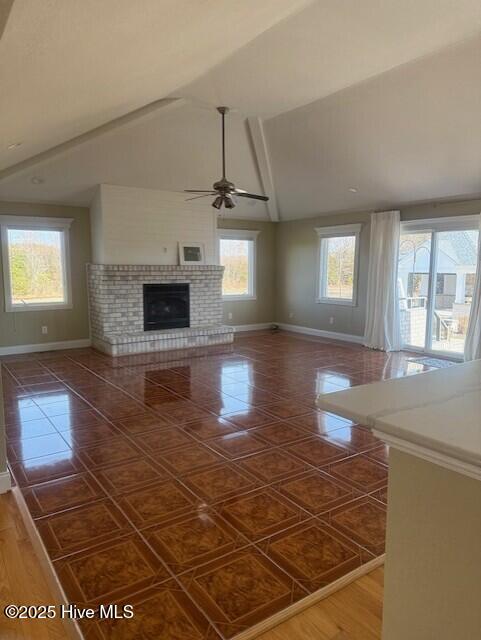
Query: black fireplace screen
<point>166,306</point>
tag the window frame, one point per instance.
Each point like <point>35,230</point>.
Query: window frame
<point>33,223</point>
<point>338,231</point>
<point>242,234</point>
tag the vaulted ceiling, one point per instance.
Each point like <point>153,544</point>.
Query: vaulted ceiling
<point>380,96</point>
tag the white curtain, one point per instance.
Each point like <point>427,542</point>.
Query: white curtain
<point>472,347</point>
<point>382,321</point>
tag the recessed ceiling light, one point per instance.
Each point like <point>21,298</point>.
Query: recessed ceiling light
<point>37,180</point>
<point>13,145</point>
<point>353,189</point>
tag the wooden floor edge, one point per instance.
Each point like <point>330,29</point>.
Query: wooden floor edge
<point>70,626</point>
<point>308,601</point>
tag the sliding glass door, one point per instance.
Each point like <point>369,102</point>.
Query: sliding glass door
<point>413,281</point>
<point>437,270</point>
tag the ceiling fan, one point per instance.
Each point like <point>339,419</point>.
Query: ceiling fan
<point>225,192</point>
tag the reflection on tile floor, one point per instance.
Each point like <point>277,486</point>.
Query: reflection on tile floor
<point>202,486</point>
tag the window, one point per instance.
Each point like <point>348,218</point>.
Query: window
<point>237,254</point>
<point>36,270</point>
<point>436,275</point>
<point>338,258</point>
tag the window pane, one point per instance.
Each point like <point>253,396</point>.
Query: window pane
<point>339,255</point>
<point>456,260</point>
<point>413,285</point>
<point>234,256</point>
<point>36,266</point>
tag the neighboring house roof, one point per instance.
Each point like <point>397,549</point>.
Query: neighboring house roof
<point>460,247</point>
<point>455,250</point>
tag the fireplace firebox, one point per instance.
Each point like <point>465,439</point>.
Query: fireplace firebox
<point>166,306</point>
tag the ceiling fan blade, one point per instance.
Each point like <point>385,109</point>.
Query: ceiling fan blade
<point>198,191</point>
<point>204,195</point>
<point>253,196</point>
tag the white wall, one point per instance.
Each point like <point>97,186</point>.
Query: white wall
<point>144,226</point>
<point>96,227</point>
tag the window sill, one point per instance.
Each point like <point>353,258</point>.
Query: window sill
<point>337,301</point>
<point>37,307</point>
<point>238,298</point>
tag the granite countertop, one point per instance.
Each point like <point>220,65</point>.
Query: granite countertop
<point>434,415</point>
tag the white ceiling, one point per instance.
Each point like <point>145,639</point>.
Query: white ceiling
<point>409,135</point>
<point>67,66</point>
<point>381,95</point>
<point>330,45</point>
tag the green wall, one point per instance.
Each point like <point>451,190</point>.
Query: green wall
<point>297,270</point>
<point>24,327</point>
<point>262,309</point>
<point>296,266</point>
<point>441,209</point>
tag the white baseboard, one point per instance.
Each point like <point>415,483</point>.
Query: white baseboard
<point>86,342</point>
<point>253,327</point>
<point>5,482</point>
<point>321,333</point>
<point>45,346</point>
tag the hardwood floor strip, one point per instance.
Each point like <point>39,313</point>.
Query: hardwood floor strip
<point>28,577</point>
<point>338,617</point>
<point>310,600</point>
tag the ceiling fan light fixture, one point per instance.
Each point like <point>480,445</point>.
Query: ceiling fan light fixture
<point>229,201</point>
<point>217,204</point>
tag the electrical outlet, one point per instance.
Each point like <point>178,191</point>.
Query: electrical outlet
<point>44,330</point>
<point>229,315</point>
<point>291,315</point>
<point>331,320</point>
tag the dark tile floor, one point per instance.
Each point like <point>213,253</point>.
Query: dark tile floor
<point>203,487</point>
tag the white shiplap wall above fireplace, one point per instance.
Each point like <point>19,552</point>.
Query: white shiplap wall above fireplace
<point>144,226</point>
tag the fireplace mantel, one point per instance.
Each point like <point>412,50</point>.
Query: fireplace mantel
<point>155,268</point>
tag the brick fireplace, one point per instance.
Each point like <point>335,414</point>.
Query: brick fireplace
<point>116,301</point>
